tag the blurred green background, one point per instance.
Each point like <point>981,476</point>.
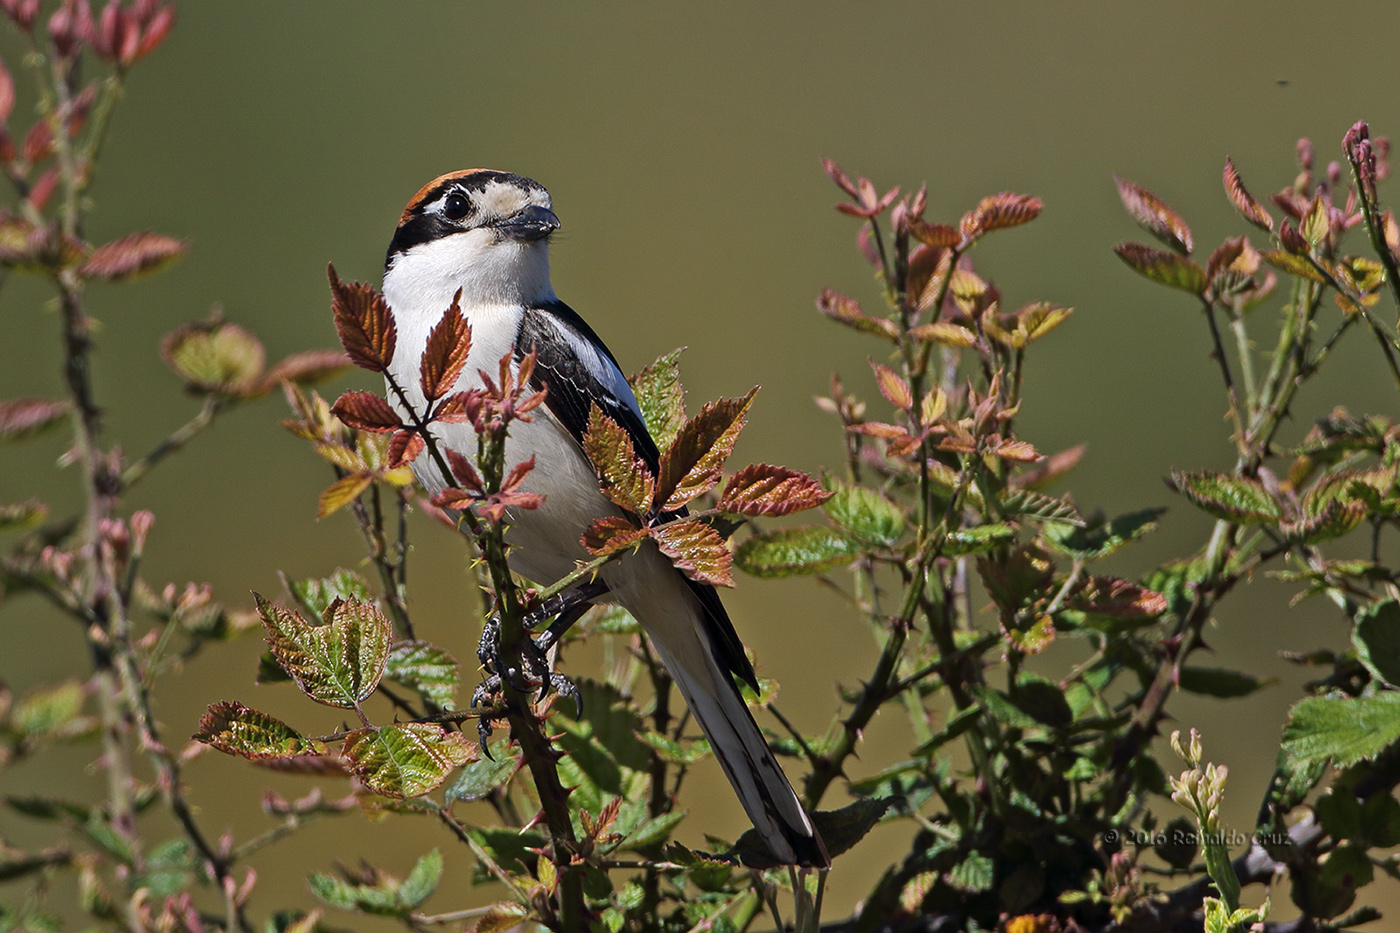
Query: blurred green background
<point>681,144</point>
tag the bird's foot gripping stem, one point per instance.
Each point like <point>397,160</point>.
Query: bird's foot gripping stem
<point>533,670</point>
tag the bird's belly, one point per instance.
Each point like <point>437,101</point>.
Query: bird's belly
<point>544,541</point>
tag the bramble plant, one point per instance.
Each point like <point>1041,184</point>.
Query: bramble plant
<point>1035,804</point>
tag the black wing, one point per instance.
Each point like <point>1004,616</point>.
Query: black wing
<point>578,371</point>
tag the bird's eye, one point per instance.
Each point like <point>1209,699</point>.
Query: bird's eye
<point>456,207</point>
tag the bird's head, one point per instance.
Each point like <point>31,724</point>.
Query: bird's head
<point>483,231</point>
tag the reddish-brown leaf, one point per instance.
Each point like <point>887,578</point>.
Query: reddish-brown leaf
<point>834,172</point>
<point>847,311</point>
<point>1155,216</point>
<point>310,366</point>
<point>517,475</point>
<point>622,475</point>
<point>1018,451</point>
<point>366,411</point>
<point>404,448</point>
<point>696,550</point>
<point>131,255</point>
<point>1164,268</point>
<point>692,464</point>
<point>1049,469</point>
<point>464,472</point>
<point>893,387</point>
<point>1250,209</point>
<point>941,332</point>
<point>458,407</point>
<point>879,429</point>
<point>762,489</point>
<point>364,322</point>
<point>7,93</point>
<point>939,236</point>
<point>607,535</point>
<point>1111,596</point>
<point>446,352</point>
<point>999,211</point>
<point>25,416</point>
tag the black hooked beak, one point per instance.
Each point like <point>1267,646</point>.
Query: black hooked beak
<point>528,224</point>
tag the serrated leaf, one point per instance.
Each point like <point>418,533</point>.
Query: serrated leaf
<point>847,311</point>
<point>1285,261</point>
<point>134,254</point>
<point>661,397</point>
<point>215,356</point>
<point>654,831</point>
<point>1341,729</point>
<point>622,475</point>
<point>426,668</point>
<point>481,777</point>
<point>1376,637</point>
<point>607,535</point>
<point>892,386</point>
<point>973,875</point>
<point>692,464</point>
<point>1316,224</point>
<point>944,334</point>
<point>1100,538</point>
<point>25,417</point>
<point>1234,498</point>
<point>1155,216</point>
<point>1027,503</point>
<point>341,493</point>
<point>1334,520</point>
<point>793,551</point>
<point>364,322</point>
<point>365,411</point>
<point>315,594</point>
<point>1004,210</point>
<point>236,729</point>
<point>961,542</point>
<point>448,346</point>
<point>673,752</point>
<point>1163,268</point>
<point>1218,682</point>
<point>422,881</point>
<point>338,662</point>
<point>501,918</point>
<point>1121,599</point>
<point>696,550</point>
<point>406,759</point>
<point>1250,209</point>
<point>762,489</point>
<point>863,512</point>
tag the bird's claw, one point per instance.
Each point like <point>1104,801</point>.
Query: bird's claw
<point>569,690</point>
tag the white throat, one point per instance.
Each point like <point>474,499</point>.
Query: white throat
<point>424,279</point>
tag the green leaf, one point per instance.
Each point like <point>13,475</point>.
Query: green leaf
<point>1341,729</point>
<point>1225,684</point>
<point>792,551</point>
<point>338,662</point>
<point>673,752</point>
<point>1043,700</point>
<point>863,512</point>
<point>972,875</point>
<point>426,668</point>
<point>23,418</point>
<point>999,706</point>
<point>1316,224</point>
<point>1295,265</point>
<point>654,831</point>
<point>661,397</point>
<point>502,917</point>
<point>691,465</point>
<point>1380,821</point>
<point>1163,268</point>
<point>622,475</point>
<point>422,881</point>
<point>603,757</point>
<point>1100,538</point>
<point>406,759</point>
<point>1233,498</point>
<point>1027,503</point>
<point>235,729</point>
<point>23,516</point>
<point>316,594</point>
<point>381,899</point>
<point>484,775</point>
<point>961,542</point>
<point>1154,216</point>
<point>1339,812</point>
<point>696,550</point>
<point>1376,637</point>
<point>215,356</point>
<point>841,829</point>
<point>47,710</point>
